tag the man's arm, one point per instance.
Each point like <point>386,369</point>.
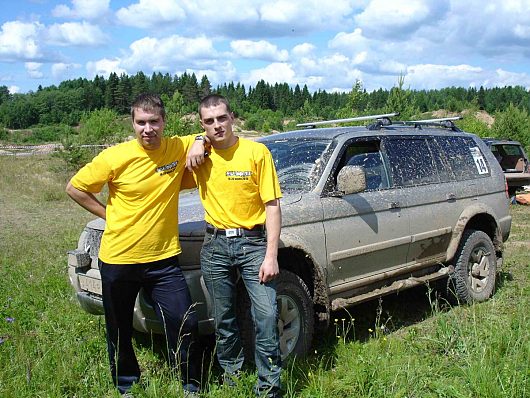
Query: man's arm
<point>196,154</point>
<point>86,200</point>
<point>273,222</point>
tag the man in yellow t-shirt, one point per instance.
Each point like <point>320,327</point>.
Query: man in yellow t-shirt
<point>240,193</point>
<point>140,243</point>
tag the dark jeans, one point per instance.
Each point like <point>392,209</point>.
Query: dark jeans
<point>164,283</point>
<point>222,259</point>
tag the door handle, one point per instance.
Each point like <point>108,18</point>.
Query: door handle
<point>394,205</point>
<point>451,196</point>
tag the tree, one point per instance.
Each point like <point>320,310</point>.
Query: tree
<point>400,100</point>
<point>101,127</point>
<point>19,112</point>
<point>205,87</point>
<point>4,94</point>
<point>513,124</point>
<point>356,101</point>
<point>111,89</point>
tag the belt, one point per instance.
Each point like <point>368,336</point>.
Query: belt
<point>258,230</point>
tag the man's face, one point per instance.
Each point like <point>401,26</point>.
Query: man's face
<point>217,123</point>
<point>149,128</point>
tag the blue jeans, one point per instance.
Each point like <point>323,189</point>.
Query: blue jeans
<point>222,259</point>
<point>164,283</point>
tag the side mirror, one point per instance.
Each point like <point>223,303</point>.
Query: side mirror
<point>351,179</point>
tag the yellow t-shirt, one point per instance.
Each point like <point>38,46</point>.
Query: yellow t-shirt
<point>142,207</point>
<point>235,183</point>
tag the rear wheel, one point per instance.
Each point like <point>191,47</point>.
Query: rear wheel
<point>475,268</point>
<point>295,316</point>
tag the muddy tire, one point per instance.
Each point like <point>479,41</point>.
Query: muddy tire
<point>475,268</point>
<point>295,317</point>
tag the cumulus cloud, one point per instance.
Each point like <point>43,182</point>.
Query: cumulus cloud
<point>170,52</point>
<point>430,76</point>
<point>259,50</point>
<point>305,14</point>
<point>303,50</point>
<point>13,89</point>
<point>151,13</point>
<point>82,9</point>
<point>398,19</point>
<point>20,41</point>
<point>33,70</point>
<point>272,73</point>
<point>104,67</point>
<point>75,34</point>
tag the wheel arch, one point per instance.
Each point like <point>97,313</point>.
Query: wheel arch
<point>480,218</point>
<point>294,258</point>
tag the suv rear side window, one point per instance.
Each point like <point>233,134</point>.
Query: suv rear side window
<point>411,161</point>
<point>464,157</point>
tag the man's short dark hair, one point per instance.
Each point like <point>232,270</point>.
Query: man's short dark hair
<point>213,100</point>
<point>150,103</point>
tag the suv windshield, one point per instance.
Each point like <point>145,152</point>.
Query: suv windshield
<point>299,163</point>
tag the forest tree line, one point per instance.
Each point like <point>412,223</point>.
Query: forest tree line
<point>94,111</point>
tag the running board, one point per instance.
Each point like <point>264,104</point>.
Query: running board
<point>395,287</point>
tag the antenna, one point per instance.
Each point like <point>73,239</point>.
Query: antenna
<point>352,119</point>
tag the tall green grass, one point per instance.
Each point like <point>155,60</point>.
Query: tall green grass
<point>406,345</point>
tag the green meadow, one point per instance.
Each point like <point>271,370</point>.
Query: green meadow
<point>412,344</point>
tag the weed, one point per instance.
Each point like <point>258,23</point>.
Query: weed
<point>418,346</point>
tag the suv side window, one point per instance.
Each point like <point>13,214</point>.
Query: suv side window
<point>367,154</point>
<point>411,161</point>
<point>464,157</point>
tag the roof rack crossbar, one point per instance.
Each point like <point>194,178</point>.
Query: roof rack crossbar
<point>446,122</point>
<point>352,119</point>
<point>427,121</point>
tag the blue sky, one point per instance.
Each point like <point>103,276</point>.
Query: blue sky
<point>326,45</point>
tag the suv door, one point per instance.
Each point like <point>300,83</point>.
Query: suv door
<point>366,232</point>
<point>428,196</point>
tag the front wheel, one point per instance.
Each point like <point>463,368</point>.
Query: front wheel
<point>295,317</point>
<point>475,267</point>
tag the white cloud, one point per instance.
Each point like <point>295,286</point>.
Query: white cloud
<point>151,13</point>
<point>303,50</point>
<point>354,41</point>
<point>20,41</point>
<point>168,53</point>
<point>305,14</point>
<point>104,67</point>
<point>429,76</point>
<point>75,34</point>
<point>82,9</point>
<point>259,50</point>
<point>13,89</point>
<point>33,70</point>
<point>272,73</point>
<point>503,78</point>
<point>398,19</point>
<point>62,71</point>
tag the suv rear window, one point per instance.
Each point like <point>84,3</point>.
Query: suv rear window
<point>411,161</point>
<point>464,157</point>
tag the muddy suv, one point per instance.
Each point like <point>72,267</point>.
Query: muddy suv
<point>367,211</point>
<point>513,160</point>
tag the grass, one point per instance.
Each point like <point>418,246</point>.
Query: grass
<point>406,345</point>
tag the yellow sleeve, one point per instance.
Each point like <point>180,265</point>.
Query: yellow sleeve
<point>269,187</point>
<point>94,175</point>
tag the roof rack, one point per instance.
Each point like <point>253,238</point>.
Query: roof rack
<point>385,120</point>
<point>441,122</point>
